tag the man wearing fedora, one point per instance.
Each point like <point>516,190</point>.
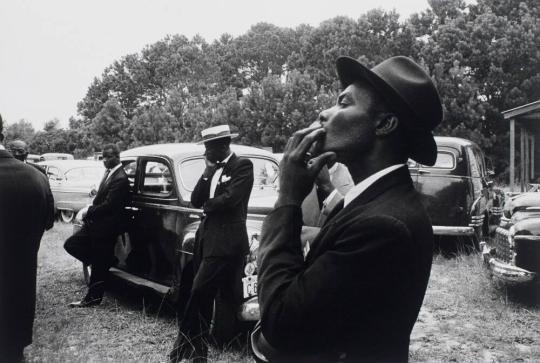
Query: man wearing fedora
<point>357,295</point>
<point>221,243</point>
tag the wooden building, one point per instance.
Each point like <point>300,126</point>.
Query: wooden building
<point>524,120</point>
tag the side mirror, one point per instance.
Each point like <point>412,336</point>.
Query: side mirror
<point>93,192</point>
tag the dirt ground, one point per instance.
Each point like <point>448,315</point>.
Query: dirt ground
<point>465,318</point>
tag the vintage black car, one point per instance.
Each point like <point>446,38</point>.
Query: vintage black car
<point>513,255</point>
<point>457,191</point>
<point>156,249</point>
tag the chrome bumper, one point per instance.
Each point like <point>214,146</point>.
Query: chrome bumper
<point>249,311</point>
<point>504,271</point>
<point>453,231</point>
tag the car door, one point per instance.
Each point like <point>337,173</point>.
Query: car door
<point>153,214</point>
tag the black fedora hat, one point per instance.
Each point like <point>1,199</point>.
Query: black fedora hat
<point>409,92</point>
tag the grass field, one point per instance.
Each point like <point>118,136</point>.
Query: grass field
<point>464,318</point>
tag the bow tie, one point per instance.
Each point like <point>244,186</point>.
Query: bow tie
<point>220,164</point>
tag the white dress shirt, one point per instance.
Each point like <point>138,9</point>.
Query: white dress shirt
<point>367,182</point>
<point>112,171</point>
<point>217,176</point>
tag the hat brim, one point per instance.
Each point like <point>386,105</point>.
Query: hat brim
<point>232,136</point>
<point>422,148</point>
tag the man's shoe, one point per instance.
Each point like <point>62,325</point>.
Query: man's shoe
<point>85,303</point>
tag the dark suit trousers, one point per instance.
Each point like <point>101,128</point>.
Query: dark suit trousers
<point>97,251</point>
<point>215,275</point>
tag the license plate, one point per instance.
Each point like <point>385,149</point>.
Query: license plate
<point>250,286</point>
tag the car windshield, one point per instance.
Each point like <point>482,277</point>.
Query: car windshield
<point>264,184</point>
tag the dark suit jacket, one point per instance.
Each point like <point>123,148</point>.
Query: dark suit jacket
<point>359,291</point>
<point>106,214</point>
<point>223,230</point>
<point>26,210</point>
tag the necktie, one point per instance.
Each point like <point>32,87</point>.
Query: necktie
<point>104,178</point>
<point>336,209</point>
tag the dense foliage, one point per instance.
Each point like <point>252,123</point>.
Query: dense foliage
<point>271,81</point>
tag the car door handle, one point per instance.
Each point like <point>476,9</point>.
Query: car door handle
<point>133,208</point>
<point>424,171</point>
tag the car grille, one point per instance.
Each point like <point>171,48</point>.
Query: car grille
<point>502,245</point>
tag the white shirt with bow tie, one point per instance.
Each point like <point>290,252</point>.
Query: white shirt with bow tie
<point>217,176</point>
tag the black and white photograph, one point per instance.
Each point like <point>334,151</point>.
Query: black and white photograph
<point>270,182</point>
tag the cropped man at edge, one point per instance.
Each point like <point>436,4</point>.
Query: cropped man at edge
<point>357,295</point>
<point>94,243</point>
<point>221,243</point>
<point>26,211</point>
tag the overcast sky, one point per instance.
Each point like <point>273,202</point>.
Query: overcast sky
<point>51,50</point>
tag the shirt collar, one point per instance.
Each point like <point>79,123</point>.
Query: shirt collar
<point>367,182</point>
<point>114,169</point>
<point>224,161</point>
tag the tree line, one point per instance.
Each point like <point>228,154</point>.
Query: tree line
<point>272,80</point>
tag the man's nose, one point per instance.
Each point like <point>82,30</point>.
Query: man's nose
<point>324,115</point>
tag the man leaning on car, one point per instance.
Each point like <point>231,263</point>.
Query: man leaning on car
<point>94,243</point>
<point>223,192</point>
<point>356,296</point>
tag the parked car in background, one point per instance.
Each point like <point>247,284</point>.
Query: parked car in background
<point>156,249</point>
<point>513,255</point>
<point>74,184</point>
<point>33,158</point>
<point>55,156</point>
<point>457,192</point>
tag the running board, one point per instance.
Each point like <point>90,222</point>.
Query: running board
<point>139,281</point>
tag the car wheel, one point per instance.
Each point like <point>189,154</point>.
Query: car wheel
<point>67,216</point>
<point>224,331</point>
<point>86,274</point>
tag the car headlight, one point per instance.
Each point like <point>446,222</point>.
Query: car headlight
<point>511,234</point>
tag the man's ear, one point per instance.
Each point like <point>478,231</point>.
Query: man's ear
<point>386,125</point>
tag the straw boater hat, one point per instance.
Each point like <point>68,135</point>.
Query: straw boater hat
<point>409,92</point>
<point>216,132</point>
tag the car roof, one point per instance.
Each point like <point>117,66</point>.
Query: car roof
<point>70,164</point>
<point>182,150</point>
<point>452,141</point>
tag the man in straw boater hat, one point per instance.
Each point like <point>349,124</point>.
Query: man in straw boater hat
<point>221,243</point>
<point>357,295</point>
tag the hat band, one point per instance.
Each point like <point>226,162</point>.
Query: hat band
<point>218,134</point>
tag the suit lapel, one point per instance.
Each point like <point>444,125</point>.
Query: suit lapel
<point>357,206</point>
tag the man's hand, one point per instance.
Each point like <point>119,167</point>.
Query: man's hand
<point>299,168</point>
<point>210,168</point>
<point>323,181</point>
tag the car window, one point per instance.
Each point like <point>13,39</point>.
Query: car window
<point>130,167</point>
<point>445,160</point>
<point>265,173</point>
<point>75,174</point>
<point>53,173</point>
<point>473,162</point>
<point>480,161</point>
<point>157,179</point>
